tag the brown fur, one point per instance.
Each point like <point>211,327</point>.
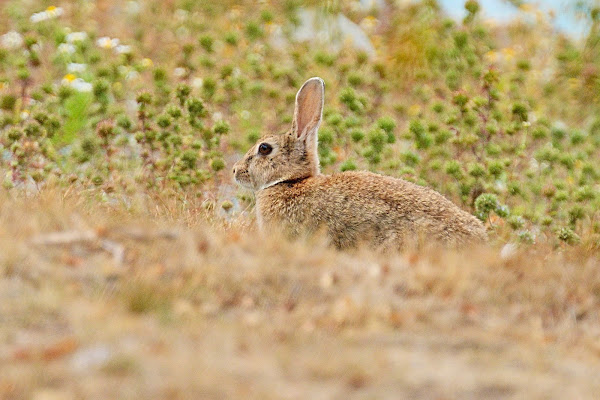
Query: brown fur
<point>351,207</point>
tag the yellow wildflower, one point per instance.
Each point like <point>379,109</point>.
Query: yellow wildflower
<point>369,23</point>
<point>491,55</point>
<point>508,52</point>
<point>147,63</point>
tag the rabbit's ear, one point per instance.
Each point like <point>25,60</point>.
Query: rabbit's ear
<point>309,108</point>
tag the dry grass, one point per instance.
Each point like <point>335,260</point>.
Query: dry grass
<point>211,311</point>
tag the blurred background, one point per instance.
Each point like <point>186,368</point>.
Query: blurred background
<point>493,98</point>
<point>568,15</point>
<point>130,266</point>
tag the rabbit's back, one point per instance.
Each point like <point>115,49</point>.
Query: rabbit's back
<point>355,206</point>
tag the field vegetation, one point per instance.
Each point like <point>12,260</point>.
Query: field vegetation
<point>130,263</point>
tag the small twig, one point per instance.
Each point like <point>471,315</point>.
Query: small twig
<point>116,249</point>
<point>143,236</point>
<point>66,238</point>
<point>63,238</point>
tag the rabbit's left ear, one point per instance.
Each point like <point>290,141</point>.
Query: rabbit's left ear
<point>309,108</point>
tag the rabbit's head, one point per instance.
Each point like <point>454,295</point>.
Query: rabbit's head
<point>289,156</point>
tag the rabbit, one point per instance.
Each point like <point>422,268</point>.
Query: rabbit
<point>351,207</point>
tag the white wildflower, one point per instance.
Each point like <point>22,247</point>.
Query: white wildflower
<point>81,86</point>
<point>133,7</point>
<point>24,114</point>
<point>534,164</point>
<point>181,15</point>
<point>38,17</point>
<point>128,72</point>
<point>76,83</point>
<point>217,116</point>
<point>179,72</point>
<point>76,37</point>
<point>66,48</point>
<point>123,49</point>
<point>76,67</point>
<point>11,40</point>
<point>49,13</point>
<point>560,125</point>
<point>132,75</point>
<point>197,83</point>
<point>107,43</point>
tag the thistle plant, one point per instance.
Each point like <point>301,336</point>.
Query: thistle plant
<point>479,119</point>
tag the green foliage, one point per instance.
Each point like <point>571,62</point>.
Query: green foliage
<point>487,203</point>
<point>76,109</point>
<point>8,102</point>
<point>568,236</point>
<point>456,106</point>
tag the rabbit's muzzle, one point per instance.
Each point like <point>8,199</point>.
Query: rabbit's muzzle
<point>241,175</point>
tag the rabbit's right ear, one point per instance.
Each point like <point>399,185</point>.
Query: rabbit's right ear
<point>309,109</point>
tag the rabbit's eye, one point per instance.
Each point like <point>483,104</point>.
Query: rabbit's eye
<point>264,149</point>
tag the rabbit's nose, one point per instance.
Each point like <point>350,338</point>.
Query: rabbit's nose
<point>234,170</point>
